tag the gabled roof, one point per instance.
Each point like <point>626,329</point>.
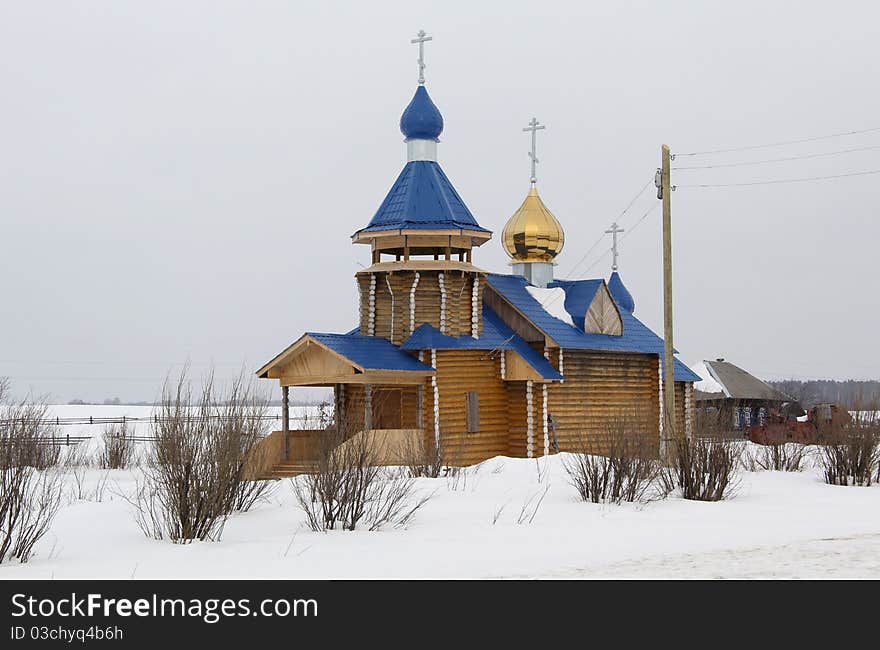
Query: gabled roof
<point>370,352</point>
<point>423,198</point>
<point>363,353</point>
<point>496,336</point>
<point>579,294</point>
<point>739,384</point>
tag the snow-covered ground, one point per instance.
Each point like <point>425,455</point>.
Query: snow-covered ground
<point>777,525</point>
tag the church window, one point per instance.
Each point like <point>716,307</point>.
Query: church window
<point>473,411</point>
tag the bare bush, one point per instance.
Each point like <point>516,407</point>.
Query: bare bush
<point>779,457</point>
<point>703,468</point>
<point>74,456</point>
<point>120,450</point>
<point>460,478</point>
<point>625,468</point>
<point>27,423</point>
<point>420,459</point>
<point>348,487</point>
<point>252,492</point>
<point>30,485</point>
<point>193,476</point>
<point>530,507</point>
<point>851,454</point>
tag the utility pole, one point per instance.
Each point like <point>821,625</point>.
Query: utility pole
<point>668,422</point>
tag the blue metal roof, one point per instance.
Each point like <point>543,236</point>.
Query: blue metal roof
<point>620,293</point>
<point>421,119</point>
<point>636,336</point>
<point>370,352</point>
<point>496,336</point>
<point>422,198</point>
<point>682,372</point>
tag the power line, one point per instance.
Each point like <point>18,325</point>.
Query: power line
<point>583,258</point>
<point>638,223</point>
<point>777,144</point>
<point>553,300</point>
<point>785,180</point>
<point>775,160</point>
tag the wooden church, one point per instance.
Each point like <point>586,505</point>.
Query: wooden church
<point>478,363</point>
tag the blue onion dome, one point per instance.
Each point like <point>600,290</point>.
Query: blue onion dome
<point>619,292</point>
<point>421,120</point>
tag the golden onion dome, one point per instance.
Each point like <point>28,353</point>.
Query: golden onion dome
<point>533,234</point>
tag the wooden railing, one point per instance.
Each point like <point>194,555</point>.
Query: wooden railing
<point>389,445</point>
<point>302,445</point>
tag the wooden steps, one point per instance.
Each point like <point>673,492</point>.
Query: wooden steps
<point>289,469</point>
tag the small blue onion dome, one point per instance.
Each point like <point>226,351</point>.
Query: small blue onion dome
<point>619,292</point>
<point>421,120</point>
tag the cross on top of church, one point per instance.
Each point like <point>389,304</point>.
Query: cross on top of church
<point>534,126</point>
<point>613,232</point>
<point>421,39</point>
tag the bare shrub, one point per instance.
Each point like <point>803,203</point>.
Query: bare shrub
<point>626,468</point>
<point>74,456</point>
<point>27,423</point>
<point>119,451</point>
<point>30,485</point>
<point>420,459</point>
<point>530,507</point>
<point>459,478</point>
<point>193,476</point>
<point>78,483</point>
<point>348,487</point>
<point>779,457</point>
<point>393,501</point>
<point>703,468</point>
<point>252,492</point>
<point>852,452</point>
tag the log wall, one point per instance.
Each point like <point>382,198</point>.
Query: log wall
<point>460,371</point>
<point>679,408</point>
<point>602,392</point>
<point>392,300</point>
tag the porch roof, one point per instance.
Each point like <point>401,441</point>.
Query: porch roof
<point>322,358</point>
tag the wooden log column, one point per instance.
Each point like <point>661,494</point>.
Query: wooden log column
<point>285,417</point>
<point>368,407</point>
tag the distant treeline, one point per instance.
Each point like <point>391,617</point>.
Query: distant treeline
<point>850,393</point>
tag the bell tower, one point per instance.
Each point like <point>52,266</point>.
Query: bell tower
<point>421,238</point>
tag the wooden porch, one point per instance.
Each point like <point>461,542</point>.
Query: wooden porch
<point>271,459</point>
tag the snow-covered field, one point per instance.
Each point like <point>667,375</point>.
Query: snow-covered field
<point>777,525</point>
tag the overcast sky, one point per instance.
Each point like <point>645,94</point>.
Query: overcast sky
<point>179,180</point>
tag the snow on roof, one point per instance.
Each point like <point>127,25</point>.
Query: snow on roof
<point>708,384</point>
<point>552,301</point>
<point>636,337</point>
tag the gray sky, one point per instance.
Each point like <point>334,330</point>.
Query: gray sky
<point>179,180</point>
